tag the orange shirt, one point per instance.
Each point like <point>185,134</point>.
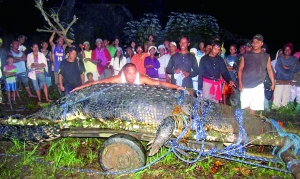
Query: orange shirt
<point>139,62</point>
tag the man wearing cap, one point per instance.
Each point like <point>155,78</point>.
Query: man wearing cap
<point>212,72</point>
<point>286,67</point>
<point>163,61</point>
<point>173,48</point>
<point>102,57</point>
<point>251,76</point>
<point>183,66</point>
<point>89,65</point>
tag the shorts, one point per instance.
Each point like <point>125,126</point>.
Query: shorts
<point>11,86</point>
<point>24,79</point>
<point>39,81</point>
<point>253,97</point>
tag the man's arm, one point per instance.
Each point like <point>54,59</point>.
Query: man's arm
<point>112,79</point>
<point>195,68</point>
<point>19,59</point>
<point>82,78</point>
<point>240,74</point>
<point>270,73</point>
<point>149,81</point>
<point>60,82</point>
<point>51,39</point>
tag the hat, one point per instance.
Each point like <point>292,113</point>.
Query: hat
<point>22,36</point>
<point>248,44</point>
<point>86,43</point>
<point>173,43</point>
<point>258,37</point>
<point>98,40</point>
<point>193,50</point>
<point>161,46</point>
<point>151,48</point>
<point>290,45</point>
<point>1,41</point>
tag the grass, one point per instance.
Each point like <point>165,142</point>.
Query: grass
<point>82,153</point>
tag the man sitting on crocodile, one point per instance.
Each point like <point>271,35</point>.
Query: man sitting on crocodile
<point>129,74</point>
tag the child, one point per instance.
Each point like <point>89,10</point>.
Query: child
<point>89,76</point>
<point>10,71</point>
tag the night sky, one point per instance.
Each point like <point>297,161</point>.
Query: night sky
<point>276,21</point>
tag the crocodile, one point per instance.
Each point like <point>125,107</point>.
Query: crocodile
<point>141,105</point>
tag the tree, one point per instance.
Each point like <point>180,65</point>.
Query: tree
<point>58,27</point>
<point>196,26</point>
<point>140,30</point>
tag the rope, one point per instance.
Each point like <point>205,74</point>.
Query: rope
<point>290,140</point>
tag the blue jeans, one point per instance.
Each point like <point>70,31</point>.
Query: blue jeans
<point>39,81</point>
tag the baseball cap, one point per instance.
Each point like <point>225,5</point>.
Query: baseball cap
<point>99,40</point>
<point>161,46</point>
<point>1,41</point>
<point>258,37</point>
<point>173,43</point>
<point>193,50</point>
<point>86,43</point>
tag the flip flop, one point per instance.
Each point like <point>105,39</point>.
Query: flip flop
<point>49,101</point>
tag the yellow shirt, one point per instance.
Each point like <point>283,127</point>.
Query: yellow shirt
<point>89,66</point>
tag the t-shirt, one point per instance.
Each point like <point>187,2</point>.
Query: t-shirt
<point>10,68</point>
<point>71,72</point>
<point>89,66</point>
<point>255,65</point>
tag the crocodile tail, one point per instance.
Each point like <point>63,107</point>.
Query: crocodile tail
<point>29,134</point>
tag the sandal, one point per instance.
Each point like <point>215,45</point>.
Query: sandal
<point>49,101</point>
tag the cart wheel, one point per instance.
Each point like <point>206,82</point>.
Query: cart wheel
<point>121,152</point>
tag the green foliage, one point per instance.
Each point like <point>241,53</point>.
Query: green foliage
<point>196,26</point>
<point>140,30</point>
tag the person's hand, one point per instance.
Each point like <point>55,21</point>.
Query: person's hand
<point>241,86</point>
<point>177,71</point>
<point>148,66</point>
<point>286,67</point>
<point>180,88</point>
<point>273,87</point>
<point>62,88</point>
<point>231,84</point>
<point>199,92</point>
<point>186,74</point>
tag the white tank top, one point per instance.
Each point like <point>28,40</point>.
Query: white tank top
<point>136,81</point>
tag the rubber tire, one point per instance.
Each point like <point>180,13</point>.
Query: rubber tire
<point>121,152</point>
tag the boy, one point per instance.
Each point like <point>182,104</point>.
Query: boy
<point>10,71</point>
<point>89,77</point>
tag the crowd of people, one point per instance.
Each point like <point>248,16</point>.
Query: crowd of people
<point>205,70</point>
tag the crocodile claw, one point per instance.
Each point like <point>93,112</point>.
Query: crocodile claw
<point>163,134</point>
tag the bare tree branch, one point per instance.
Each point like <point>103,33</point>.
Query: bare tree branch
<point>60,30</point>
